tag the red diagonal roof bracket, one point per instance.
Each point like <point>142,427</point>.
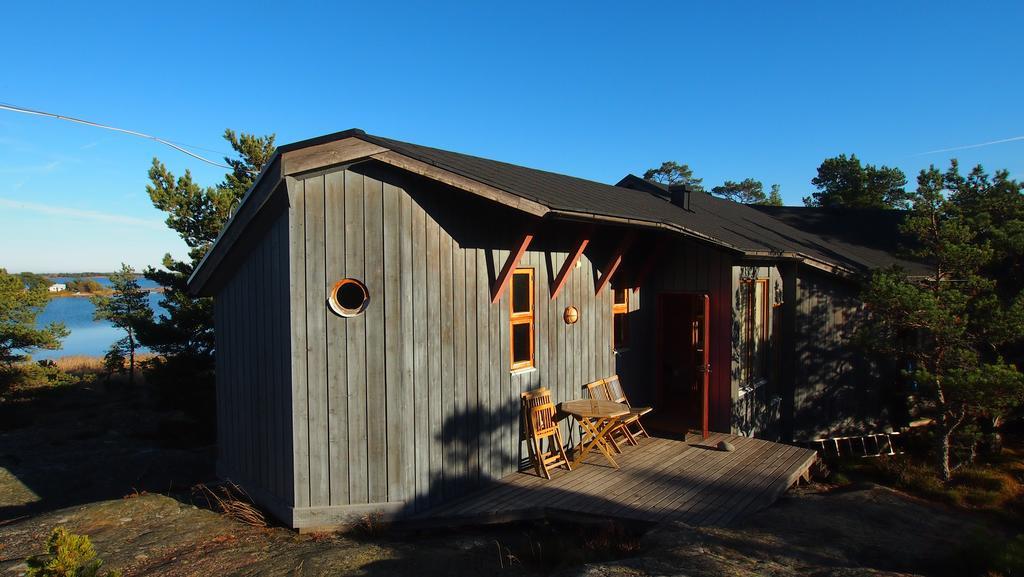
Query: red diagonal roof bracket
<point>613,264</point>
<point>570,263</point>
<point>510,265</point>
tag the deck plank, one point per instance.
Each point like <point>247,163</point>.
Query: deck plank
<point>659,480</point>
<point>748,479</point>
<point>693,459</point>
<point>698,482</point>
<point>745,488</point>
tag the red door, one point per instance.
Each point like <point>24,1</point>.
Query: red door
<point>705,361</point>
<point>683,367</point>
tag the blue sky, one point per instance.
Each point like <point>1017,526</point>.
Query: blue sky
<point>594,89</point>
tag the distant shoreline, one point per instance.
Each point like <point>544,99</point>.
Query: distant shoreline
<point>66,294</point>
<point>81,274</point>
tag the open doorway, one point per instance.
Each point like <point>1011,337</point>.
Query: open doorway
<point>682,363</point>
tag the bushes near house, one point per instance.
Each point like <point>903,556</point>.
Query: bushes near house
<point>993,485</point>
<point>988,555</point>
<point>33,375</point>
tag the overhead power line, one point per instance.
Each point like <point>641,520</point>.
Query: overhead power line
<point>177,147</point>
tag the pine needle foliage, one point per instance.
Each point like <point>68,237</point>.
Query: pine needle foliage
<point>958,329</point>
<point>67,555</point>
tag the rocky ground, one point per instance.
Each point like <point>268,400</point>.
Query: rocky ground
<point>866,531</point>
<point>104,465</point>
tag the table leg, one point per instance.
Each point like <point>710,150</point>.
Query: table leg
<point>605,440</point>
<point>586,440</point>
<point>596,435</point>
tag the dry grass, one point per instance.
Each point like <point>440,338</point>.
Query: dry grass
<point>996,486</point>
<point>370,526</point>
<point>993,487</point>
<point>80,364</point>
<point>87,365</point>
<point>231,500</point>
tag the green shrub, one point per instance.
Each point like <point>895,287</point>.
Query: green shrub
<point>51,374</point>
<point>33,375</point>
<point>838,478</point>
<point>983,478</point>
<point>985,554</point>
<point>67,555</point>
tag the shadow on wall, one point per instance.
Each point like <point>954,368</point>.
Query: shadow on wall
<point>635,363</point>
<point>757,410</point>
<point>757,413</point>
<point>838,390</point>
<point>475,447</point>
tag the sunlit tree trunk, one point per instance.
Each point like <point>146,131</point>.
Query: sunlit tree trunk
<point>131,357</point>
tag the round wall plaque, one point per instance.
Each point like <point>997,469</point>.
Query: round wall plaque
<point>571,315</point>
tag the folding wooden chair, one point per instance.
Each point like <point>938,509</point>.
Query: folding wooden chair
<point>632,422</point>
<point>541,424</point>
<point>599,391</point>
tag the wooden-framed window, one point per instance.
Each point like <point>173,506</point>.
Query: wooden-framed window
<point>620,318</point>
<point>755,311</point>
<point>521,319</point>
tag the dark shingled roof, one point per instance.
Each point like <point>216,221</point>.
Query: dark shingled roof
<point>823,239</point>
<point>729,223</point>
<point>872,235</point>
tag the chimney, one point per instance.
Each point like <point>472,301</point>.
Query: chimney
<point>680,195</point>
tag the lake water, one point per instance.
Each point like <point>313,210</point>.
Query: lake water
<point>88,337</point>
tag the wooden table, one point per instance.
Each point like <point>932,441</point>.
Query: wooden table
<point>597,418</point>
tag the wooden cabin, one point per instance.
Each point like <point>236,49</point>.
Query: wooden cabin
<point>381,305</point>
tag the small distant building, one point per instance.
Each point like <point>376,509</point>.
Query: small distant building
<point>58,287</point>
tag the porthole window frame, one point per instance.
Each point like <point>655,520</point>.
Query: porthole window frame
<point>342,311</point>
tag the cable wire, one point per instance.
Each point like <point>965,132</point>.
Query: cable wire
<point>22,110</point>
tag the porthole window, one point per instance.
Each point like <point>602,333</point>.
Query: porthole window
<point>349,297</point>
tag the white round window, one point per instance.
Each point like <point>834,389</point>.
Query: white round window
<point>349,297</point>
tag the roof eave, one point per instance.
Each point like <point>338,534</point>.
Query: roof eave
<point>355,146</point>
<point>200,275</point>
<point>322,153</point>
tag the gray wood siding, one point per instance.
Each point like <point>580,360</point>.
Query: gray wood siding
<point>413,401</point>
<point>685,267</point>
<point>835,390</point>
<point>755,407</point>
<point>254,424</point>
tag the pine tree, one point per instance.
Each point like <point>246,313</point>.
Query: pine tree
<point>21,301</point>
<point>844,181</point>
<point>184,335</point>
<point>951,326</point>
<point>126,308</point>
<point>748,191</point>
<point>672,173</point>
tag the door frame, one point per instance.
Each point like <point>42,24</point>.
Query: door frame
<point>660,351</point>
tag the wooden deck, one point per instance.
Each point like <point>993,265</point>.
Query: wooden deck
<point>660,480</point>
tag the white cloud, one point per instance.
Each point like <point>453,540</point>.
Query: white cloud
<point>80,214</point>
<point>31,168</point>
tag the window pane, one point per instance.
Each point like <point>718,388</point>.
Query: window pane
<point>521,343</point>
<point>761,330</point>
<point>747,310</point>
<point>619,330</point>
<point>619,296</point>
<point>521,292</point>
